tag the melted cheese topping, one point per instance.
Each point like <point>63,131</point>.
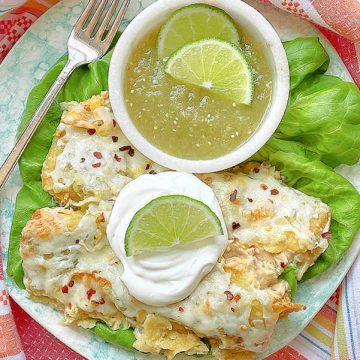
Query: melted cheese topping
<point>90,156</point>
<point>67,258</point>
<point>71,252</point>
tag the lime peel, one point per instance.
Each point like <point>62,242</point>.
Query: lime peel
<point>169,221</point>
<point>194,22</point>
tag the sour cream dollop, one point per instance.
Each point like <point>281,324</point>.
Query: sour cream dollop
<point>163,278</point>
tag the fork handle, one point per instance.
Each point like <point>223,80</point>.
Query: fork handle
<point>10,162</point>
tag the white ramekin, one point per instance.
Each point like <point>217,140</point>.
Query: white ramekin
<point>247,17</point>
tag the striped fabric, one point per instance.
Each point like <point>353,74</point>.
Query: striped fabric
<point>348,318</point>
<point>334,333</point>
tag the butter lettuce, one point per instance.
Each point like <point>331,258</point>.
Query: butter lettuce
<point>320,129</point>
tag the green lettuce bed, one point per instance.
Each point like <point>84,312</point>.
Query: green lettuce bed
<point>320,130</point>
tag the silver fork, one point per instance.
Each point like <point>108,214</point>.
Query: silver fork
<point>88,41</point>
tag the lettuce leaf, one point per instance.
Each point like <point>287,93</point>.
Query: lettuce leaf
<point>323,115</point>
<point>289,275</point>
<point>320,130</point>
<point>121,337</point>
<point>305,56</point>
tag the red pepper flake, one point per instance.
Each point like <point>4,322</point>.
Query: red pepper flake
<point>152,172</point>
<point>71,283</point>
<point>90,293</point>
<point>229,295</point>
<point>114,123</point>
<point>77,241</point>
<point>91,131</point>
<point>233,196</point>
<point>147,167</point>
<point>232,309</point>
<point>326,235</point>
<point>100,302</point>
<point>125,148</point>
<point>274,191</point>
<point>181,309</point>
<point>235,225</point>
<point>98,154</point>
<point>250,200</point>
<point>69,306</point>
<point>263,186</point>
<point>114,139</point>
<point>82,160</point>
<point>131,152</point>
<point>282,264</point>
<point>65,289</point>
<point>117,157</point>
<point>272,201</point>
<point>96,165</point>
<point>237,297</point>
<point>256,170</point>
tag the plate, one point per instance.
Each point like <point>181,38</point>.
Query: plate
<point>33,55</point>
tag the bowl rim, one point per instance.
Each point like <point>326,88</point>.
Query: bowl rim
<point>154,15</point>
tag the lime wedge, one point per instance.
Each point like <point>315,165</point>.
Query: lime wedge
<point>168,221</point>
<point>216,65</point>
<point>195,22</point>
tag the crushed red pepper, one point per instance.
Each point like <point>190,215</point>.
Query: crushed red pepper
<point>82,160</point>
<point>152,172</point>
<point>117,157</point>
<point>125,148</point>
<point>232,309</point>
<point>237,297</point>
<point>256,170</point>
<point>65,289</point>
<point>91,131</point>
<point>114,123</point>
<point>114,139</point>
<point>131,152</point>
<point>90,293</point>
<point>98,154</point>
<point>263,186</point>
<point>71,283</point>
<point>229,295</point>
<point>250,200</point>
<point>100,302</point>
<point>274,191</point>
<point>282,264</point>
<point>96,165</point>
<point>77,241</point>
<point>233,196</point>
<point>235,225</point>
<point>147,167</point>
<point>326,235</point>
<point>181,309</point>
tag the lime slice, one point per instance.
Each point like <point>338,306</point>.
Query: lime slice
<point>195,22</point>
<point>216,65</point>
<point>168,221</point>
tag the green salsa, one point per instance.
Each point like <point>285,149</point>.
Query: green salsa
<point>190,122</point>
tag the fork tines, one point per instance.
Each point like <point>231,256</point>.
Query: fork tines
<point>97,23</point>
